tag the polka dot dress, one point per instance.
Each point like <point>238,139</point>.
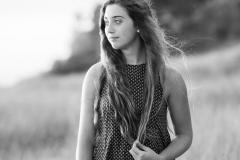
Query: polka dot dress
<point>110,144</point>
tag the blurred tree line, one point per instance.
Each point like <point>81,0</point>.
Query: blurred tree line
<point>202,24</point>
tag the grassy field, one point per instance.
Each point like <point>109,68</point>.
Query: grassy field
<point>39,117</point>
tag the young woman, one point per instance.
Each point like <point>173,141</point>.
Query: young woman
<point>126,96</point>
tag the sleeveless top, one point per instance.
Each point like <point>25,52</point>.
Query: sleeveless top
<point>110,144</point>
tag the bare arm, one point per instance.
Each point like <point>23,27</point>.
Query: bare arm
<point>180,115</point>
<point>85,142</point>
<point>176,95</point>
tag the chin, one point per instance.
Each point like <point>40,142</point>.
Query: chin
<point>116,46</point>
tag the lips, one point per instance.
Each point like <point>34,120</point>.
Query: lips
<point>113,38</point>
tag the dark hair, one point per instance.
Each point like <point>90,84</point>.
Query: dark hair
<point>156,48</point>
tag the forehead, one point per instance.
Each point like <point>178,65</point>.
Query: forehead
<point>115,10</point>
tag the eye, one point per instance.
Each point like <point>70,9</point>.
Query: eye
<point>106,23</point>
<point>118,21</point>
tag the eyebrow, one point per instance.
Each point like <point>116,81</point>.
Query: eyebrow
<point>115,17</point>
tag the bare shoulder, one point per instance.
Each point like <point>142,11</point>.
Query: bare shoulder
<point>95,70</point>
<point>173,76</point>
<point>90,79</point>
<point>174,81</point>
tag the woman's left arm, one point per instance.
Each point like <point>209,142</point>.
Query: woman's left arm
<point>180,115</point>
<point>177,100</point>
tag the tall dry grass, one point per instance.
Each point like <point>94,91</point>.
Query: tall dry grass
<point>215,104</point>
<point>39,117</point>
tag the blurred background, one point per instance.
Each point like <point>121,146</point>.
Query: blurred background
<point>47,46</point>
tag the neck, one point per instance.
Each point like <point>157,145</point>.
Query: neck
<point>134,54</point>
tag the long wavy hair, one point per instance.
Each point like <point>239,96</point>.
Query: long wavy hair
<point>114,68</point>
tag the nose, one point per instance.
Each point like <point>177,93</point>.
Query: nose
<point>110,28</point>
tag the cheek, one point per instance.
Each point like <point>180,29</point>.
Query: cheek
<point>129,33</point>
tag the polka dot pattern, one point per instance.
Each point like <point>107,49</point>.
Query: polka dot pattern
<point>110,144</point>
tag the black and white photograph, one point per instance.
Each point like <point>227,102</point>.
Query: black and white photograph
<point>119,80</point>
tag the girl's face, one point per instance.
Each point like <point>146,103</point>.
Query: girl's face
<point>119,27</point>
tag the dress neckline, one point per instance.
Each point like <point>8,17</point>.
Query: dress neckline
<point>135,65</point>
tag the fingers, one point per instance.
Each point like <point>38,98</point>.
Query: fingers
<point>141,146</point>
<point>137,149</point>
<point>134,154</point>
<point>142,152</point>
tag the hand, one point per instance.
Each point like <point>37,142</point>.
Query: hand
<point>141,152</point>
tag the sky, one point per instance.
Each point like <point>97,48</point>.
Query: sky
<point>33,34</point>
